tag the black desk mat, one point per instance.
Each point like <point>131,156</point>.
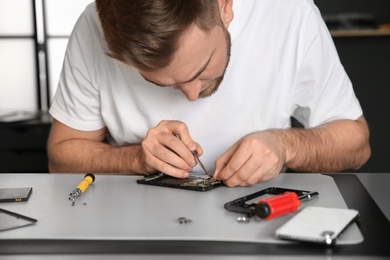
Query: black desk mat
<point>372,222</point>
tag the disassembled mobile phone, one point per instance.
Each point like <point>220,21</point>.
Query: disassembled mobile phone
<point>197,183</point>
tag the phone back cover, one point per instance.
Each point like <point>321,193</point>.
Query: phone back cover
<point>317,224</point>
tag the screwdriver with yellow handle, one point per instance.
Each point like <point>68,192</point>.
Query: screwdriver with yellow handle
<point>83,186</point>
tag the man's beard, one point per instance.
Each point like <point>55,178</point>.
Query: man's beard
<point>210,87</point>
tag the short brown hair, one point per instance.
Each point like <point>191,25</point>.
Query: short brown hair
<point>145,33</point>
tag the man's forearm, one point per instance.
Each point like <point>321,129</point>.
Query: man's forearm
<point>336,146</point>
<point>75,156</point>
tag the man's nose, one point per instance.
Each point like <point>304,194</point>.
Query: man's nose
<point>191,89</point>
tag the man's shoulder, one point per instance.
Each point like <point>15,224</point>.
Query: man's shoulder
<point>271,14</point>
<point>87,33</point>
<point>89,18</point>
<point>256,6</point>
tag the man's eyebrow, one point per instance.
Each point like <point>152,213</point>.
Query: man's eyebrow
<point>200,71</point>
<point>155,83</point>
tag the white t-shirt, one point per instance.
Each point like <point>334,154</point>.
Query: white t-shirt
<point>283,63</point>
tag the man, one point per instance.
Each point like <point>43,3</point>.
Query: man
<point>146,83</point>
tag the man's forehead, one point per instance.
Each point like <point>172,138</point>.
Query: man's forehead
<point>196,49</point>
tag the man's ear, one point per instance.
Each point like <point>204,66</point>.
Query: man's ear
<point>226,11</point>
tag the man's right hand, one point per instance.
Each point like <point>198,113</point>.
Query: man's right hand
<point>167,148</point>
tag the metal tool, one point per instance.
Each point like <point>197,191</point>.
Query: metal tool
<point>201,164</point>
<point>82,187</point>
<point>285,201</point>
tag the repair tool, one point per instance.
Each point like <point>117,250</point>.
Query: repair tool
<point>201,164</point>
<point>82,187</point>
<point>283,202</point>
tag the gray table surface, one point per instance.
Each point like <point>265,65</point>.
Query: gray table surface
<point>376,184</point>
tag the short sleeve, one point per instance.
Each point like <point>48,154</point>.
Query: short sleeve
<point>77,100</point>
<point>324,91</point>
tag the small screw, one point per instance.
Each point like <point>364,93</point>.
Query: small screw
<point>183,220</point>
<point>243,219</point>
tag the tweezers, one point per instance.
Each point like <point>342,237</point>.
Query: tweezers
<point>201,164</point>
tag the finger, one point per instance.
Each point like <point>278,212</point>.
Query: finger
<point>181,130</point>
<point>198,150</point>
<point>250,171</point>
<point>186,140</point>
<point>171,170</point>
<point>241,175</point>
<point>162,166</point>
<point>164,151</point>
<point>174,152</point>
<point>254,179</point>
<point>264,173</point>
<point>237,160</point>
<point>164,148</point>
<point>184,155</point>
<point>222,162</point>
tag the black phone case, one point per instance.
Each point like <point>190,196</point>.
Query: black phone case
<point>195,183</point>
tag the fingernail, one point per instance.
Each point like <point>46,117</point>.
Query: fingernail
<point>192,146</point>
<point>193,163</point>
